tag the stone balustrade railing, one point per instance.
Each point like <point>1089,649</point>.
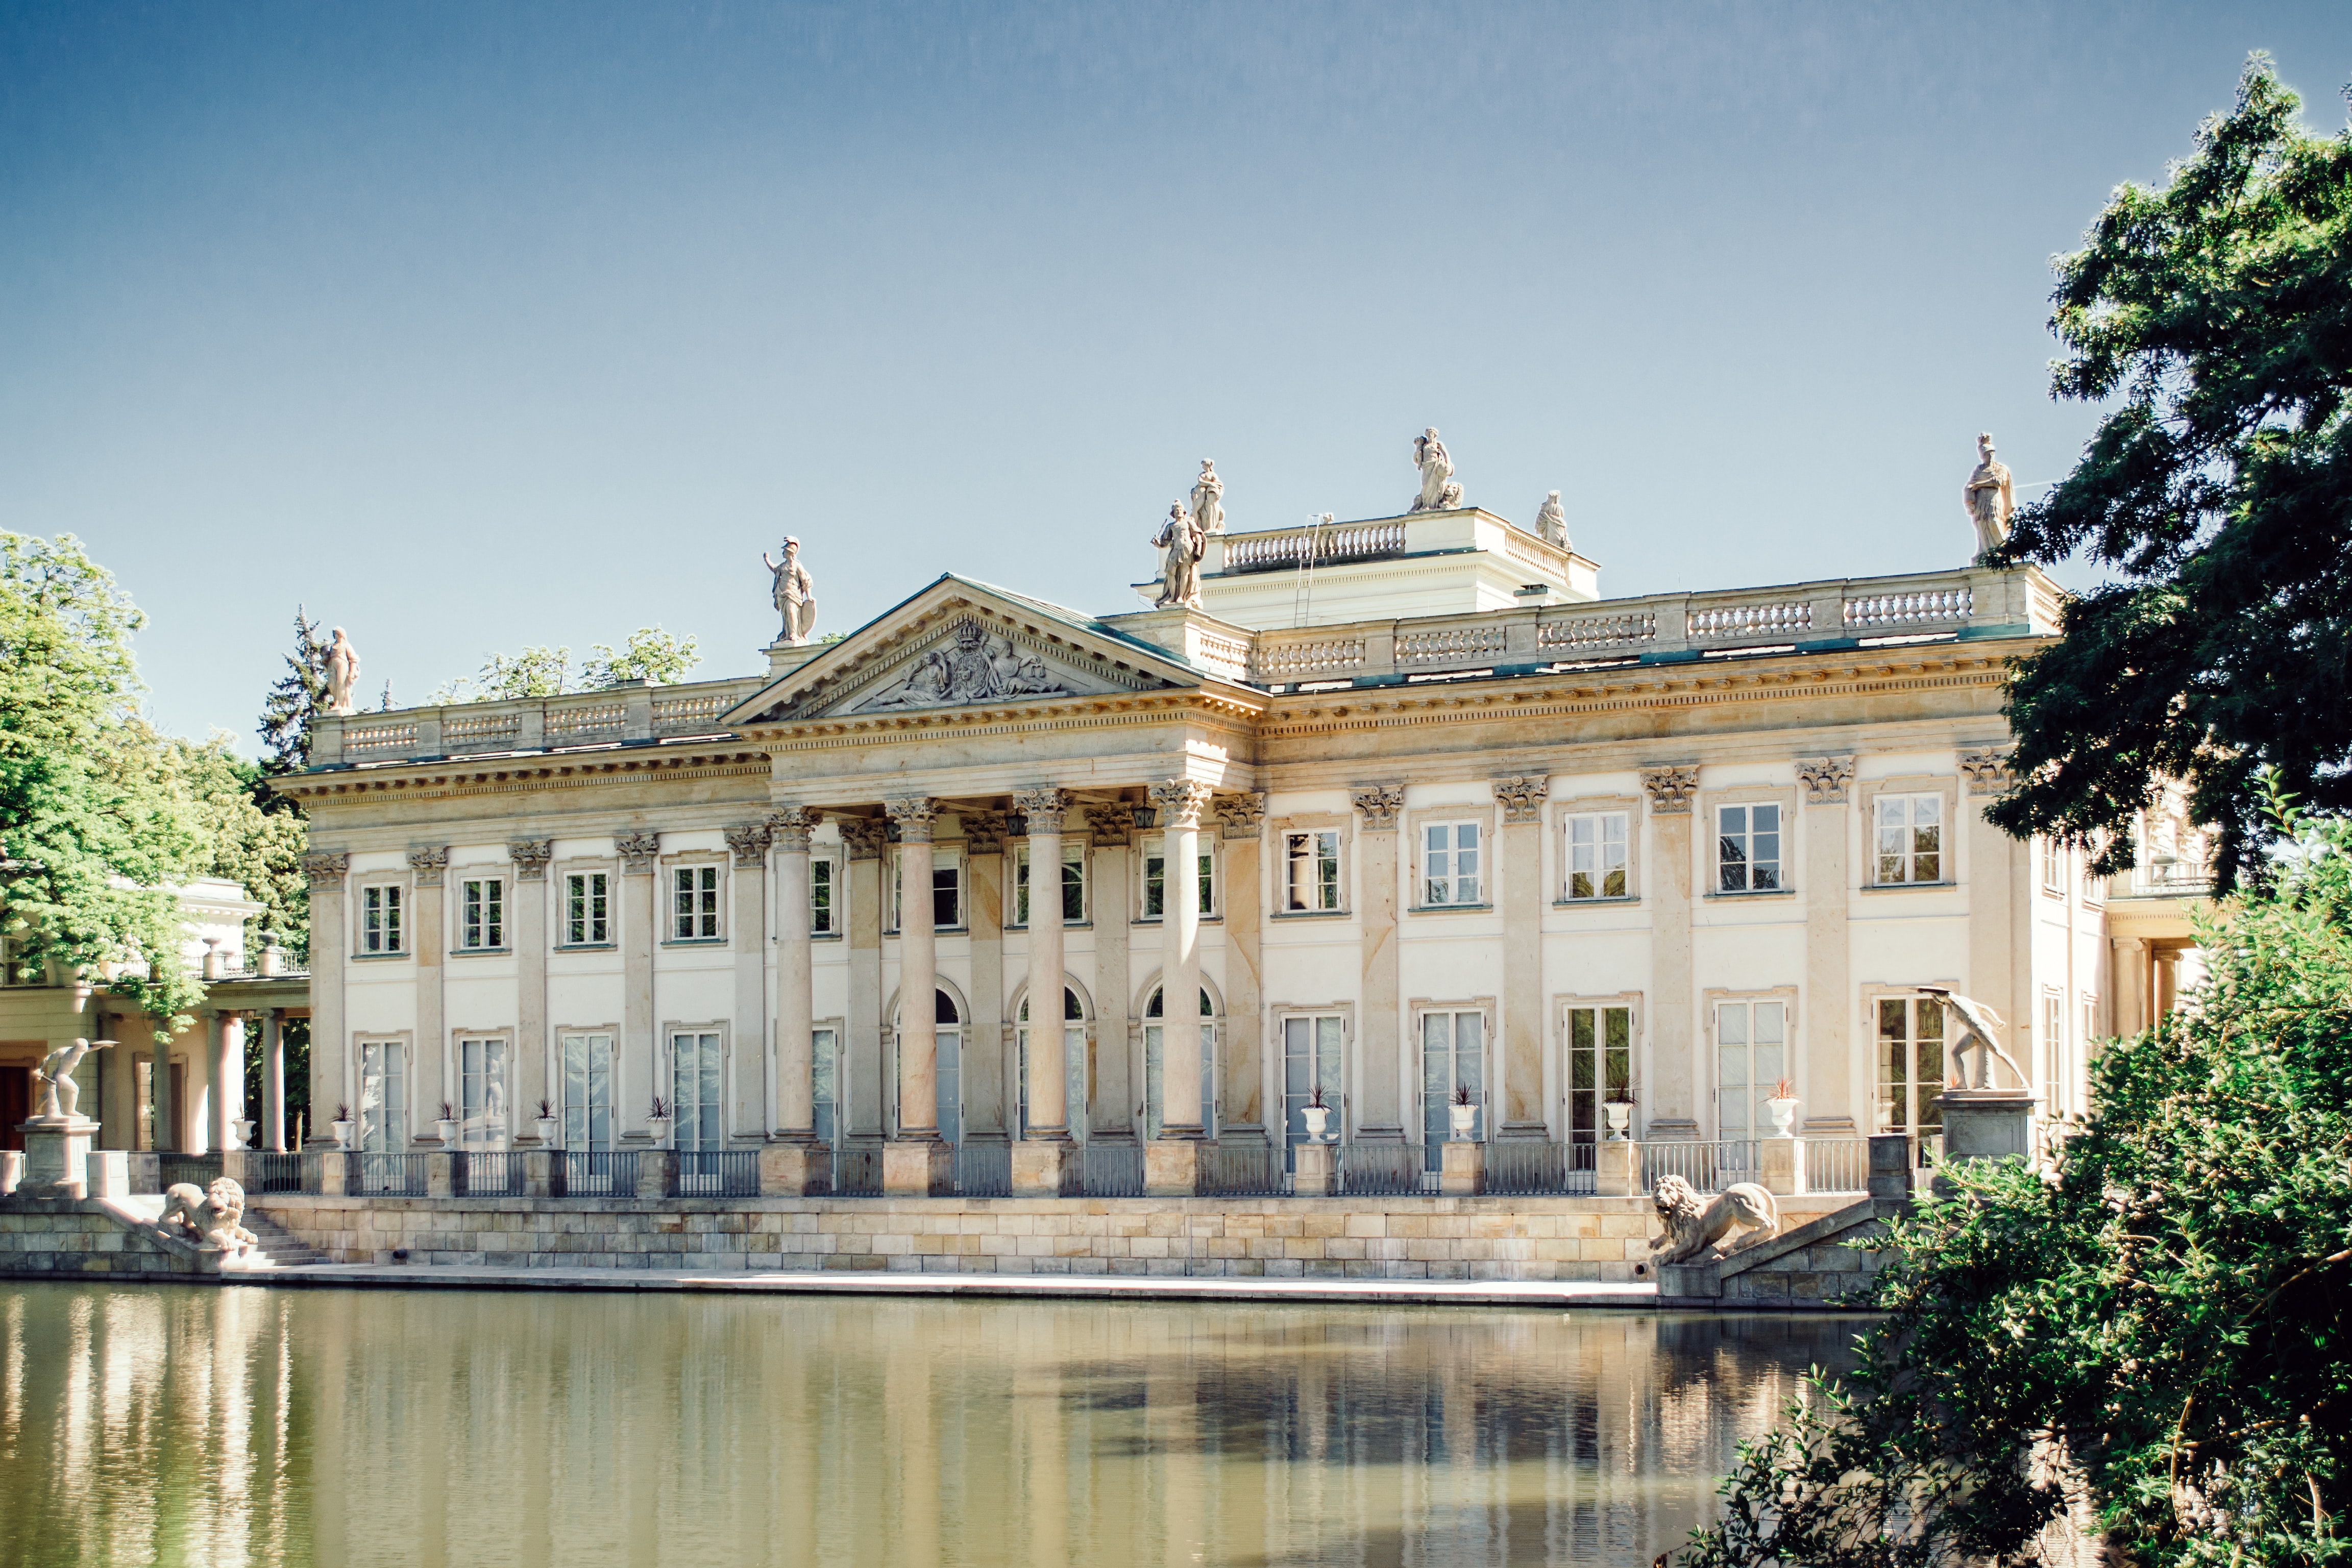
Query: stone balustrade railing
<point>634,712</point>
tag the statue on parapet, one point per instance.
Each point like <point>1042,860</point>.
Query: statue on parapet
<point>342,674</point>
<point>1439,491</point>
<point>1181,542</point>
<point>1209,499</point>
<point>1551,523</point>
<point>1989,498</point>
<point>60,1096</point>
<point>1980,1028</point>
<point>794,594</point>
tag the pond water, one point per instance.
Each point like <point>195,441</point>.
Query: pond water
<point>194,1425</point>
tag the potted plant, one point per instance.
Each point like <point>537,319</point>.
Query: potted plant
<point>549,1127</point>
<point>1463,1113</point>
<point>1618,1110</point>
<point>657,1122</point>
<point>1782,1107</point>
<point>342,1125</point>
<point>1317,1115</point>
<point>447,1125</point>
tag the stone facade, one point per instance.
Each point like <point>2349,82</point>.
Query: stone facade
<point>90,1237</point>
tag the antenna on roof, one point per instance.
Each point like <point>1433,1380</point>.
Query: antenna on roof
<point>1302,601</point>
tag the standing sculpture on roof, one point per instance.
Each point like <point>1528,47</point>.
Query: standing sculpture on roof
<point>1990,500</point>
<point>1209,499</point>
<point>1439,489</point>
<point>795,594</point>
<point>342,674</point>
<point>1551,523</point>
<point>1179,569</point>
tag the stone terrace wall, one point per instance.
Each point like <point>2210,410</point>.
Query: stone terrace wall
<point>84,1236</point>
<point>1576,1239</point>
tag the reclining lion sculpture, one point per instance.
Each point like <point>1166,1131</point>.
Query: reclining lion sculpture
<point>211,1218</point>
<point>1696,1225</point>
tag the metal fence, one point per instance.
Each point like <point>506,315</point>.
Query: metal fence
<point>600,1172</point>
<point>1708,1167</point>
<point>275,1172</point>
<point>1111,1170</point>
<point>493,1172</point>
<point>1246,1171</point>
<point>392,1176</point>
<point>1837,1165</point>
<point>718,1173</point>
<point>857,1172</point>
<point>200,1170</point>
<point>1380,1170</point>
<point>1527,1167</point>
<point>983,1170</point>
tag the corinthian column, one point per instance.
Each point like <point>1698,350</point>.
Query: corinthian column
<point>917,1163</point>
<point>1171,1164</point>
<point>528,909</point>
<point>1041,1164</point>
<point>1675,1075</point>
<point>793,1165</point>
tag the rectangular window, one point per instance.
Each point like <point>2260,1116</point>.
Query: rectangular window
<point>824,1085</point>
<point>1155,878</point>
<point>2052,858</point>
<point>1910,838</point>
<point>1450,870</point>
<point>1074,884</point>
<point>588,909</point>
<point>483,918</point>
<point>947,890</point>
<point>380,918</point>
<point>1311,870</point>
<point>2056,1078</point>
<point>1751,1041</point>
<point>587,1092</point>
<point>1748,849</point>
<point>695,1076</point>
<point>482,1093</point>
<point>1310,1059</point>
<point>821,899</point>
<point>694,904</point>
<point>383,1098</point>
<point>1453,1057</point>
<point>1600,1067</point>
<point>1596,856</point>
<point>1910,1064</point>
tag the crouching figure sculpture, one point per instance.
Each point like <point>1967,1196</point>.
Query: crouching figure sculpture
<point>1696,1225</point>
<point>214,1217</point>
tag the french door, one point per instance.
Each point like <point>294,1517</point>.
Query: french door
<point>1453,1057</point>
<point>1310,1059</point>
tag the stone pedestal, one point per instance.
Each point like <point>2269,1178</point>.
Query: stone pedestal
<point>1317,1170</point>
<point>445,1173</point>
<point>1890,1166</point>
<point>235,1165</point>
<point>57,1153</point>
<point>109,1172</point>
<point>1463,1173</point>
<point>1783,1163</point>
<point>1172,1167</point>
<point>918,1168</point>
<point>795,1170</point>
<point>12,1170</point>
<point>1986,1124</point>
<point>1042,1169</point>
<point>656,1173</point>
<point>339,1172</point>
<point>545,1174</point>
<point>1617,1169</point>
<point>146,1171</point>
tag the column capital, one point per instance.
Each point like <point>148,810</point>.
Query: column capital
<point>1989,772</point>
<point>1669,789</point>
<point>864,835</point>
<point>790,828</point>
<point>1379,804</point>
<point>1110,825</point>
<point>749,842</point>
<point>912,815</point>
<point>1522,797</point>
<point>1825,779</point>
<point>1043,805</point>
<point>326,869</point>
<point>637,851</point>
<point>428,861</point>
<point>530,857</point>
<point>983,832</point>
<point>1180,801</point>
<point>1241,816</point>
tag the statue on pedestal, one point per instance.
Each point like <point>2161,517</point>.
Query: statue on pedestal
<point>53,1081</point>
<point>794,594</point>
<point>1209,499</point>
<point>1980,1027</point>
<point>1439,490</point>
<point>343,675</point>
<point>1990,500</point>
<point>1552,523</point>
<point>1179,571</point>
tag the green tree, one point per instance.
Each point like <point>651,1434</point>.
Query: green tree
<point>96,818</point>
<point>2168,1316</point>
<point>650,654</point>
<point>249,842</point>
<point>298,696</point>
<point>2215,316</point>
<point>534,672</point>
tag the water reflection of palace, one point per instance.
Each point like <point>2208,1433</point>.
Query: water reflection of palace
<point>196,1426</point>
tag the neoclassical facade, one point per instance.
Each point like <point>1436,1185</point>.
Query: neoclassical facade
<point>1401,811</point>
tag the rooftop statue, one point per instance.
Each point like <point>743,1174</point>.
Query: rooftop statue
<point>342,674</point>
<point>1980,1028</point>
<point>795,594</point>
<point>54,1082</point>
<point>1552,523</point>
<point>1990,500</point>
<point>1179,569</point>
<point>1439,490</point>
<point>1209,499</point>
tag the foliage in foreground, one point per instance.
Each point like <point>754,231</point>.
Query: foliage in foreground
<point>2168,1318</point>
<point>2214,318</point>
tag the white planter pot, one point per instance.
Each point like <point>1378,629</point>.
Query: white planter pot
<point>448,1131</point>
<point>550,1130</point>
<point>244,1129</point>
<point>1620,1116</point>
<point>1462,1118</point>
<point>1782,1112</point>
<point>342,1132</point>
<point>1318,1118</point>
<point>657,1127</point>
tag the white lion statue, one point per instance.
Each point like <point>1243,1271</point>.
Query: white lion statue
<point>212,1217</point>
<point>1695,1225</point>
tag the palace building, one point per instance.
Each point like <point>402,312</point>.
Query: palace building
<point>1395,814</point>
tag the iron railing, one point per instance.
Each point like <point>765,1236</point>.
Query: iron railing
<point>857,1172</point>
<point>1529,1167</point>
<point>1246,1171</point>
<point>1837,1165</point>
<point>983,1170</point>
<point>198,1169</point>
<point>1380,1170</point>
<point>1111,1170</point>
<point>1708,1167</point>
<point>718,1173</point>
<point>493,1172</point>
<point>275,1172</point>
<point>600,1172</point>
<point>392,1176</point>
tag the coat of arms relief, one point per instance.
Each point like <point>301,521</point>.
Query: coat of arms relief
<point>971,665</point>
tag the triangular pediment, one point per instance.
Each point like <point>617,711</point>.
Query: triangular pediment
<point>960,644</point>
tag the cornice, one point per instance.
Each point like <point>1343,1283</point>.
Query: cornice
<point>1110,712</point>
<point>442,781</point>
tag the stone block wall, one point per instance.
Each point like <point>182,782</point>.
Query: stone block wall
<point>86,1237</point>
<point>1530,1238</point>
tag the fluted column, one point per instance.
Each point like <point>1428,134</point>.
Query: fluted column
<point>918,971</point>
<point>1180,803</point>
<point>527,909</point>
<point>794,1111</point>
<point>329,945</point>
<point>1049,1085</point>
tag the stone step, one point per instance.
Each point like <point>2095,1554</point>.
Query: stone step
<point>279,1246</point>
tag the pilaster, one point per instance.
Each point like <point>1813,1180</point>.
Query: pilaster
<point>862,1069</point>
<point>638,1075</point>
<point>1048,1086</point>
<point>793,1109</point>
<point>1111,1114</point>
<point>330,942</point>
<point>1384,1072</point>
<point>1827,1077</point>
<point>430,1079</point>
<point>1674,1058</point>
<point>1518,871</point>
<point>2000,887</point>
<point>987,1072</point>
<point>1180,803</point>
<point>916,1025</point>
<point>527,908</point>
<point>1241,1087</point>
<point>747,844</point>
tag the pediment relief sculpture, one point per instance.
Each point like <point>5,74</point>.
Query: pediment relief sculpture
<point>967,663</point>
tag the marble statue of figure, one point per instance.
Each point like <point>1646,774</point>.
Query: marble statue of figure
<point>1552,523</point>
<point>343,675</point>
<point>1209,499</point>
<point>1990,500</point>
<point>1180,573</point>
<point>1979,1030</point>
<point>54,1082</point>
<point>795,594</point>
<point>1439,489</point>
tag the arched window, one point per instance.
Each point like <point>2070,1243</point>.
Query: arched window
<point>949,1063</point>
<point>1154,1101</point>
<point>1074,1061</point>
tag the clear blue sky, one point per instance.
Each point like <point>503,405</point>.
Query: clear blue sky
<point>474,326</point>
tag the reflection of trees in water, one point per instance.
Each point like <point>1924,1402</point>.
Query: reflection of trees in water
<point>638,1429</point>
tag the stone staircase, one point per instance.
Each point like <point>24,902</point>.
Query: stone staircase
<point>278,1246</point>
